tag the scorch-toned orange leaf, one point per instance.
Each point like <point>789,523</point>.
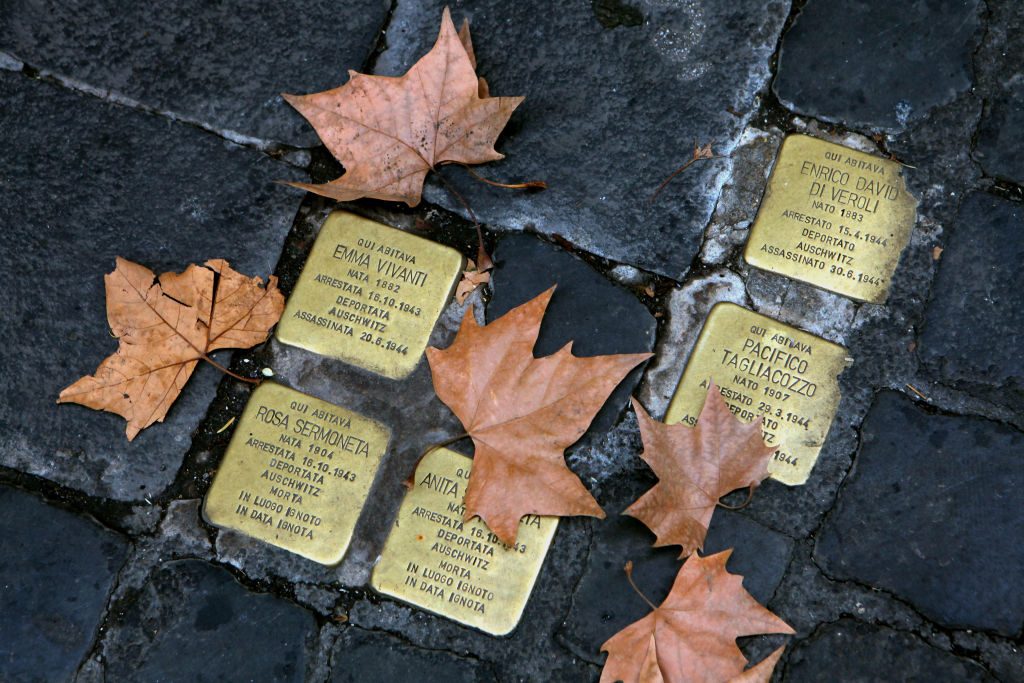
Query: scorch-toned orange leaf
<point>389,132</point>
<point>692,635</point>
<point>695,467</point>
<point>472,278</point>
<point>522,413</point>
<point>164,328</point>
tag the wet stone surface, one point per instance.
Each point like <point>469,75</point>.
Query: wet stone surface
<point>193,621</point>
<point>609,114</point>
<point>975,320</point>
<point>56,571</point>
<point>912,520</point>
<point>368,657</point>
<point>877,65</point>
<point>869,653</point>
<point>84,182</point>
<point>596,315</point>
<point>220,65</point>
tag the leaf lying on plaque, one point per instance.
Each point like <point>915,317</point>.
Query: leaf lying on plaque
<point>695,467</point>
<point>164,327</point>
<point>390,132</point>
<point>692,635</point>
<point>522,413</point>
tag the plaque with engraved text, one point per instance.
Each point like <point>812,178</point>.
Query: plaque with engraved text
<point>296,473</point>
<point>765,367</point>
<point>833,217</point>
<point>460,570</point>
<point>369,295</point>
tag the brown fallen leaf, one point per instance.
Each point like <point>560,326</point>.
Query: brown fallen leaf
<point>692,635</point>
<point>165,327</point>
<point>699,154</point>
<point>522,413</point>
<point>695,467</point>
<point>389,132</point>
<point>471,279</point>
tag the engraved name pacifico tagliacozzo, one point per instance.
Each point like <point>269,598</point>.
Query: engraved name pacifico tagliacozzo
<point>833,217</point>
<point>369,295</point>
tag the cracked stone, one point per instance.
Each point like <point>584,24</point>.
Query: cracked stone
<point>861,652</point>
<point>930,513</point>
<point>688,308</point>
<point>604,603</point>
<point>1001,131</point>
<point>85,181</point>
<point>596,315</point>
<point>56,571</point>
<point>639,97</point>
<point>222,65</point>
<point>974,323</point>
<point>877,65</point>
<point>189,623</point>
<point>363,656</point>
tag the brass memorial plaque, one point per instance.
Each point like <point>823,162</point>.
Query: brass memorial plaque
<point>460,570</point>
<point>764,367</point>
<point>296,473</point>
<point>833,217</point>
<point>369,295</point>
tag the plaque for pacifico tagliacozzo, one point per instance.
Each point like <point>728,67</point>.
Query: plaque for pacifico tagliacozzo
<point>833,217</point>
<point>296,473</point>
<point>369,295</point>
<point>764,367</point>
<point>460,570</point>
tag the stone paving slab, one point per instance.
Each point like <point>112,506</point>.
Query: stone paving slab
<point>609,114</point>
<point>877,65</point>
<point>598,316</point>
<point>195,622</point>
<point>926,513</point>
<point>974,324</point>
<point>221,65</point>
<point>1001,131</point>
<point>56,572</point>
<point>859,653</point>
<point>85,181</point>
<point>371,657</point>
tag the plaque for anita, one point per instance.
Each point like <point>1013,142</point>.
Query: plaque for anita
<point>833,217</point>
<point>369,295</point>
<point>296,473</point>
<point>764,367</point>
<point>460,570</point>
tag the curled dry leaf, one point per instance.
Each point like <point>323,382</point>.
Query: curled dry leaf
<point>695,467</point>
<point>522,413</point>
<point>389,132</point>
<point>164,327</point>
<point>471,279</point>
<point>692,635</point>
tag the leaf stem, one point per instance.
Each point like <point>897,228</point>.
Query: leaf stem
<point>483,259</point>
<point>750,497</point>
<point>629,576</point>
<point>227,372</point>
<point>528,185</point>
<point>698,155</point>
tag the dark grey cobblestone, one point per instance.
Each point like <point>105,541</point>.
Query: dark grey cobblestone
<point>222,66</point>
<point>371,657</point>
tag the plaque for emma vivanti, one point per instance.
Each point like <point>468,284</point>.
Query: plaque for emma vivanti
<point>764,367</point>
<point>369,295</point>
<point>460,570</point>
<point>296,473</point>
<point>833,217</point>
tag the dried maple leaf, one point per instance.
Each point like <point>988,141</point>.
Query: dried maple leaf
<point>522,413</point>
<point>472,277</point>
<point>164,328</point>
<point>692,635</point>
<point>389,132</point>
<point>695,467</point>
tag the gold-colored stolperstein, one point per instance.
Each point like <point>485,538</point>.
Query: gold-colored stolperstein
<point>460,570</point>
<point>296,473</point>
<point>369,295</point>
<point>834,217</point>
<point>764,367</point>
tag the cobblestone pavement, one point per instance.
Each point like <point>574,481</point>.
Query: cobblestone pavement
<point>157,132</point>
